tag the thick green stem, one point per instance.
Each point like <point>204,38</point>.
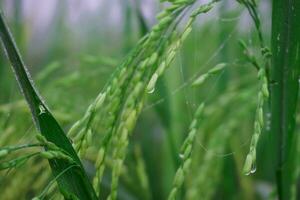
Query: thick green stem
<point>284,92</point>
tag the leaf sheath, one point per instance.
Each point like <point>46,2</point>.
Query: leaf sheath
<point>284,92</point>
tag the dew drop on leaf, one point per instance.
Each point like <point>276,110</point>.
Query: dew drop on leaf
<point>42,109</point>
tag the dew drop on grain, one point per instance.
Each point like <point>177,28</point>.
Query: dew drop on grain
<point>152,83</point>
<point>152,90</point>
<point>253,169</point>
<point>181,156</point>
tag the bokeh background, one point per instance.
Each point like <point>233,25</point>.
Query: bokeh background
<point>71,48</point>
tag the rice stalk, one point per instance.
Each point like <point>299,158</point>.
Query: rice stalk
<point>284,94</point>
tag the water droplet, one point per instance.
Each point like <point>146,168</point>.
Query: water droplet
<point>152,83</point>
<point>250,164</point>
<point>151,90</point>
<point>253,169</point>
<point>42,109</point>
<point>181,156</point>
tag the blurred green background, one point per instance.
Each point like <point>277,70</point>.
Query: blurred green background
<point>72,47</point>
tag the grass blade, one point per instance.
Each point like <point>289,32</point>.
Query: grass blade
<point>284,92</point>
<point>74,182</point>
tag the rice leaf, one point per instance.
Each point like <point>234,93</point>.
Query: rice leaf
<point>284,93</point>
<point>73,182</point>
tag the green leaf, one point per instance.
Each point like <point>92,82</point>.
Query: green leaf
<point>284,92</point>
<point>74,181</point>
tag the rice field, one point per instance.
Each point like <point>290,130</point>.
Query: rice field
<point>149,100</point>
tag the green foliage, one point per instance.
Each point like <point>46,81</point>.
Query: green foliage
<point>129,141</point>
<point>74,182</point>
<point>284,94</point>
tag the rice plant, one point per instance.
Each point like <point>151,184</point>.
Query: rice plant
<point>189,107</point>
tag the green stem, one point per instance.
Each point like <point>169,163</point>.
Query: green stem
<point>284,92</point>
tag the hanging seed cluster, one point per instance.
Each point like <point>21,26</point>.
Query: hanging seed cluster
<point>263,94</point>
<point>138,75</point>
<point>176,43</point>
<point>52,151</point>
<point>133,104</point>
<point>6,151</point>
<point>209,172</point>
<point>185,154</point>
<point>81,131</point>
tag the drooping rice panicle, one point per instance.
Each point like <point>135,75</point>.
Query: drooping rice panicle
<point>52,152</point>
<point>146,63</point>
<point>136,91</point>
<point>175,44</point>
<point>263,95</point>
<point>208,173</point>
<point>106,133</point>
<point>81,131</point>
<point>263,75</point>
<point>142,173</point>
<point>185,154</point>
